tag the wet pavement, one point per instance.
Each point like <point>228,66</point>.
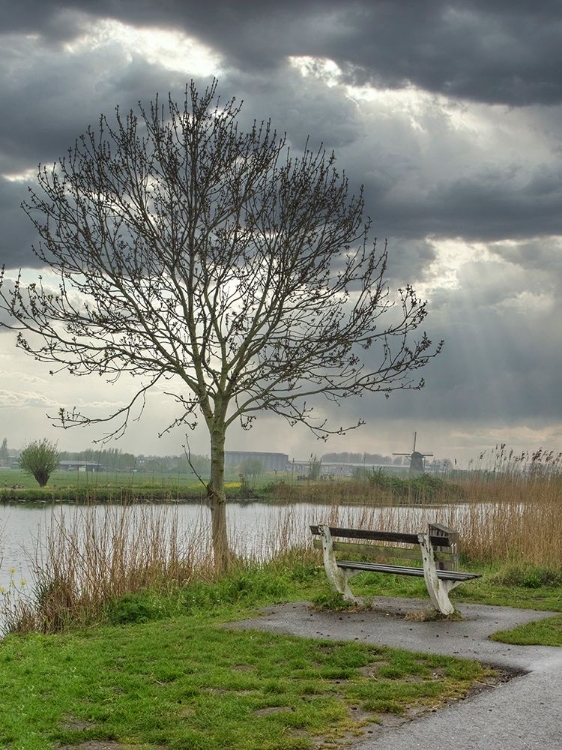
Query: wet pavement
<point>522,714</point>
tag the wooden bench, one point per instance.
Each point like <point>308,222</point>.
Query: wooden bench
<point>436,550</point>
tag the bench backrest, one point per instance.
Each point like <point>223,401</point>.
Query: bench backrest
<point>396,546</point>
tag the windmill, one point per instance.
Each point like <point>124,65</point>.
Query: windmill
<point>417,459</point>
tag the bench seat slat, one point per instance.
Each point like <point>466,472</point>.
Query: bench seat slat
<point>448,575</point>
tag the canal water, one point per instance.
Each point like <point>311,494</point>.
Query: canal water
<point>255,529</point>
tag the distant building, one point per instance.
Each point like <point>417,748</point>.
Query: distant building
<point>269,461</point>
<point>334,469</point>
<point>88,466</point>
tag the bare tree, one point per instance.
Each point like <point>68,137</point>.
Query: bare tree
<point>216,261</point>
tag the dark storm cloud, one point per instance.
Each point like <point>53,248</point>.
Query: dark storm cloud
<point>485,207</point>
<point>498,52</point>
<point>455,48</point>
<point>17,233</point>
<point>48,100</point>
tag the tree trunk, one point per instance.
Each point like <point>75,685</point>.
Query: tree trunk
<point>217,499</point>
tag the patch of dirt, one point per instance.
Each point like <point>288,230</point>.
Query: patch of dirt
<point>372,725</point>
<point>71,722</point>
<point>359,714</point>
<point>272,710</point>
<point>102,745</point>
<point>372,670</point>
<point>491,681</point>
<point>430,615</point>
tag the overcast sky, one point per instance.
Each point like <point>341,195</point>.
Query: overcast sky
<point>450,115</point>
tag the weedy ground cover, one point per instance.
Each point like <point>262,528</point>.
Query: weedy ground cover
<point>155,668</point>
<point>184,681</point>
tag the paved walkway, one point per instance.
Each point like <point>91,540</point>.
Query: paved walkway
<point>522,714</point>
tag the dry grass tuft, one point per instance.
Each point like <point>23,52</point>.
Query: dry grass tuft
<point>100,555</point>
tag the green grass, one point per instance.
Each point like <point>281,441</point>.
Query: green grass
<point>71,486</point>
<point>16,484</point>
<point>188,682</point>
<point>162,671</point>
<point>543,633</point>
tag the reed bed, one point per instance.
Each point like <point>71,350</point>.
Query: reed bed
<point>511,519</point>
<point>102,553</point>
<point>514,519</point>
<point>379,489</point>
<point>87,561</point>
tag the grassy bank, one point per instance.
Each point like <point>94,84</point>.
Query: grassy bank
<point>70,487</point>
<point>105,487</point>
<point>163,672</point>
<point>120,636</point>
<point>376,487</point>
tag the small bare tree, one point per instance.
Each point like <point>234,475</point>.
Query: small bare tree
<point>216,261</point>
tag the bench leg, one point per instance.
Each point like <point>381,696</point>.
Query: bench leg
<point>438,590</point>
<point>337,577</point>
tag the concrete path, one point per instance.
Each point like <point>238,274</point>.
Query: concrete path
<point>522,714</point>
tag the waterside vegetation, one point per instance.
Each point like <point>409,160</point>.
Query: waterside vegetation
<point>187,681</point>
<point>511,529</point>
<point>121,635</point>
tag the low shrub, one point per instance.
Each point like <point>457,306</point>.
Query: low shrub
<point>528,576</point>
<point>132,608</point>
<point>333,601</point>
<point>426,487</point>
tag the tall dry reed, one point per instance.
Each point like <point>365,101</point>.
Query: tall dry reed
<point>515,518</point>
<point>506,518</point>
<point>101,554</point>
<point>97,555</point>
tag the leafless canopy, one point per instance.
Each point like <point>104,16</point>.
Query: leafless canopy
<point>218,261</point>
